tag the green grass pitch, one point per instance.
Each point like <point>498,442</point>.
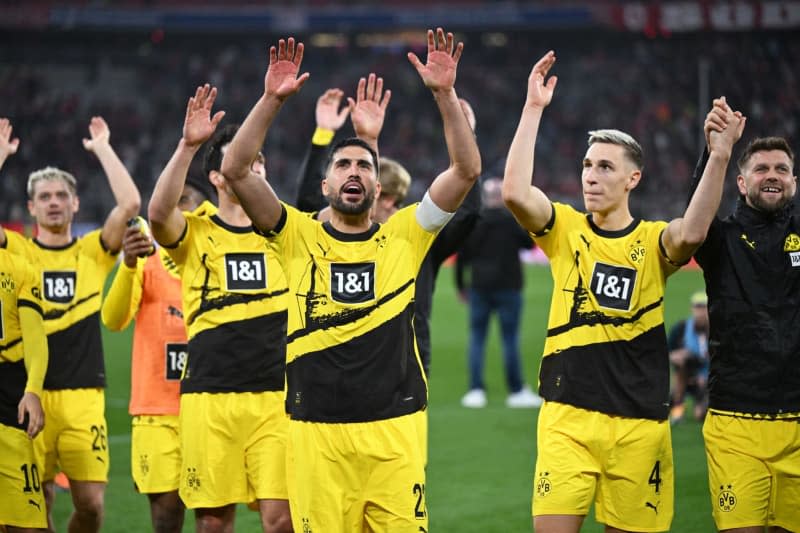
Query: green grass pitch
<point>481,461</point>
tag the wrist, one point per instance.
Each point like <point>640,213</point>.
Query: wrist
<point>190,147</point>
<point>322,136</point>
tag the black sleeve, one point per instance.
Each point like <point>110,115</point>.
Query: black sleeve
<point>698,173</point>
<point>459,271</point>
<point>453,235</point>
<point>309,192</point>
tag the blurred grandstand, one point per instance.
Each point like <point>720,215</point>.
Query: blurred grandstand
<point>649,70</point>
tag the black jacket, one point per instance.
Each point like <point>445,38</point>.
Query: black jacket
<point>751,265</point>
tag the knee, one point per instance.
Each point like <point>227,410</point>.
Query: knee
<point>281,523</point>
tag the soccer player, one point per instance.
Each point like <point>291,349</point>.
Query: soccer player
<point>603,433</point>
<point>73,273</point>
<point>355,380</point>
<point>147,286</point>
<point>232,419</point>
<point>23,363</point>
<point>367,114</point>
<point>751,266</point>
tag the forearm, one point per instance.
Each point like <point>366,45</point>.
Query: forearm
<point>309,190</point>
<point>166,220</point>
<point>122,186</point>
<point>34,348</point>
<point>459,137</point>
<point>705,202</point>
<point>249,140</point>
<point>121,302</point>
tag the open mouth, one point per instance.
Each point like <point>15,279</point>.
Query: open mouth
<point>774,190</point>
<point>353,188</point>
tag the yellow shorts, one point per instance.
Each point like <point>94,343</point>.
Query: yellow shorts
<point>622,464</point>
<point>155,453</point>
<point>234,448</point>
<point>358,476</point>
<point>753,471</point>
<point>74,436</point>
<point>20,485</point>
<point>422,431</point>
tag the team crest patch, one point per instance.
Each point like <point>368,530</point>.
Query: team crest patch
<point>726,500</point>
<point>636,252</point>
<point>794,257</point>
<point>192,479</point>
<point>543,485</point>
<point>792,243</point>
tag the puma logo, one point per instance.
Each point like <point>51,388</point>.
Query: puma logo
<point>35,504</point>
<point>748,242</point>
<point>651,506</point>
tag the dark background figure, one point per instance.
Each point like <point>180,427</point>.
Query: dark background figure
<point>491,254</point>
<point>688,354</point>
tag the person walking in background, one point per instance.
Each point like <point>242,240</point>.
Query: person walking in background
<point>73,271</point>
<point>491,255</point>
<point>603,436</point>
<point>147,287</point>
<point>688,354</point>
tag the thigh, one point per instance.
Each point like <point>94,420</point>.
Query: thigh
<point>739,479</point>
<point>509,307</point>
<point>20,485</point>
<point>80,438</point>
<point>155,453</point>
<point>395,495</point>
<point>265,447</point>
<point>786,465</point>
<point>213,470</point>
<point>566,471</point>
<point>636,488</point>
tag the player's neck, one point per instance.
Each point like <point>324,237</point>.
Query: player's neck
<point>54,236</point>
<point>350,223</point>
<point>613,220</point>
<point>233,214</point>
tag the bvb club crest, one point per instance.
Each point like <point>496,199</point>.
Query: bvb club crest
<point>726,500</point>
<point>543,486</point>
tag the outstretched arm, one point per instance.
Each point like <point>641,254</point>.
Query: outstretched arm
<point>684,235</point>
<point>528,203</point>
<point>439,74</point>
<point>125,192</point>
<point>122,301</point>
<point>8,147</point>
<point>166,220</point>
<point>281,81</point>
<point>329,120</point>
<point>368,110</point>
<point>36,357</point>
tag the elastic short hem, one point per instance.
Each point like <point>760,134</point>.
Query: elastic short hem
<point>628,527</point>
<point>208,504</point>
<point>273,497</point>
<point>569,512</point>
<point>157,490</point>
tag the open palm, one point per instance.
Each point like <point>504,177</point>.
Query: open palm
<point>439,72</point>
<point>199,125</point>
<point>281,79</point>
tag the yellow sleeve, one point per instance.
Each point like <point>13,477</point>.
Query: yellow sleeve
<point>123,298</point>
<point>34,346</point>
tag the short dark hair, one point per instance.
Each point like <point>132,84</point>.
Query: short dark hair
<point>352,141</point>
<point>763,144</point>
<point>202,185</point>
<point>212,160</point>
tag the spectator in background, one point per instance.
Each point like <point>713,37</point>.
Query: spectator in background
<point>491,254</point>
<point>688,353</point>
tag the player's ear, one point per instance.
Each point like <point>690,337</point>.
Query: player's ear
<point>633,180</point>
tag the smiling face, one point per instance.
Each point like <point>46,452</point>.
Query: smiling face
<point>608,175</point>
<point>767,181</point>
<point>351,184</point>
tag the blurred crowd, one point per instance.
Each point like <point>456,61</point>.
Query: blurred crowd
<point>659,90</point>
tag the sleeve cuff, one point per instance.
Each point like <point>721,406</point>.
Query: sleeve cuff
<point>322,137</point>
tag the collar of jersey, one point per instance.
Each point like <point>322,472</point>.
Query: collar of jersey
<point>612,233</point>
<point>59,247</point>
<point>233,229</point>
<point>350,237</point>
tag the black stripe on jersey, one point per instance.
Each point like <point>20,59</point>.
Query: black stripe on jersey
<point>13,379</point>
<point>594,318</point>
<point>228,299</point>
<point>55,314</point>
<point>29,304</point>
<point>76,356</point>
<point>239,356</point>
<point>372,377</point>
<point>626,378</point>
<point>346,316</point>
<point>10,345</point>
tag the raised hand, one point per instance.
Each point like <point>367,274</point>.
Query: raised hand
<point>98,129</point>
<point>368,110</point>
<point>327,113</point>
<point>8,146</point>
<point>281,80</point>
<point>135,243</point>
<point>31,406</point>
<point>199,125</point>
<point>731,130</point>
<point>439,73</point>
<point>540,93</point>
